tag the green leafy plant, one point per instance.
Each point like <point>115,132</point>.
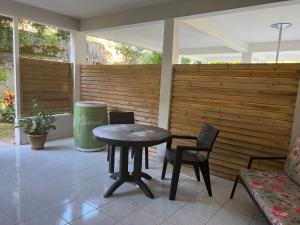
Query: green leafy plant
<point>7,115</point>
<point>136,55</point>
<point>40,123</point>
<point>6,34</point>
<point>3,75</point>
<point>7,110</point>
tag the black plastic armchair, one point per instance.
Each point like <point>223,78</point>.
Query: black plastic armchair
<point>191,155</point>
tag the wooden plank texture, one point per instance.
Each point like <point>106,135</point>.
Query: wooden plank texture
<point>251,104</point>
<point>124,88</point>
<point>49,81</point>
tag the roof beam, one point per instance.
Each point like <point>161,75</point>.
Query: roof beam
<point>213,29</point>
<point>205,50</point>
<point>253,47</point>
<point>16,9</point>
<point>173,9</point>
<point>271,46</point>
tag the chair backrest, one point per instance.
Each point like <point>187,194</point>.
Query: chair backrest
<point>292,164</point>
<point>121,118</point>
<point>207,136</point>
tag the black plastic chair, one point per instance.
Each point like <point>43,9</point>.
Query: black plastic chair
<point>192,156</point>
<point>122,118</point>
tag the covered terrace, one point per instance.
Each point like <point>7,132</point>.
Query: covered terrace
<point>235,86</point>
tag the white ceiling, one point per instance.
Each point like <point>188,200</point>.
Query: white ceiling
<point>248,27</point>
<point>83,9</point>
<point>150,36</point>
<point>192,38</point>
<point>254,26</point>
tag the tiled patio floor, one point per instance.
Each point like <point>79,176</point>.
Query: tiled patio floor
<point>60,186</point>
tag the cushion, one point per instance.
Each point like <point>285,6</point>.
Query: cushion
<point>292,164</point>
<point>276,194</point>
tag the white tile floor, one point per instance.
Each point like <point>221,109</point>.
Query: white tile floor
<point>59,186</point>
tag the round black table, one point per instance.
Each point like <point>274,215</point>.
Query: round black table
<point>136,136</point>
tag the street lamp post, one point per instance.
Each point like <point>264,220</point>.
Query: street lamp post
<point>280,27</point>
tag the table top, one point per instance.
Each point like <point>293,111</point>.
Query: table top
<point>136,135</point>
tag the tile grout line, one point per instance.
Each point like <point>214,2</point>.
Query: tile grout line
<point>213,215</point>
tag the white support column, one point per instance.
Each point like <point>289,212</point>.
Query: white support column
<point>247,57</point>
<point>170,57</point>
<point>296,121</point>
<point>17,88</point>
<point>78,57</point>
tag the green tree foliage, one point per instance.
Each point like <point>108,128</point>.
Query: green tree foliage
<point>185,60</point>
<point>3,75</point>
<point>43,40</point>
<point>152,57</point>
<point>6,34</point>
<point>129,53</point>
<point>136,55</point>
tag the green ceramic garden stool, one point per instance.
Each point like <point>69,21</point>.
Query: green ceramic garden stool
<point>87,116</point>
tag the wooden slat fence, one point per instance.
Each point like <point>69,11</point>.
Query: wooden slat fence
<point>49,81</point>
<point>124,88</point>
<point>252,105</point>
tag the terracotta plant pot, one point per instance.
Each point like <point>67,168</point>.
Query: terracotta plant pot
<point>37,142</point>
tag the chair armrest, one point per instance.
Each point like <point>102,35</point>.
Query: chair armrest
<point>252,158</point>
<point>191,148</point>
<point>184,137</point>
<point>187,137</point>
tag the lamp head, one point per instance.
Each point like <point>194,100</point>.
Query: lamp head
<point>281,25</point>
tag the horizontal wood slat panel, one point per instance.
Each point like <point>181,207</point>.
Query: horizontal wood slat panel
<point>49,81</point>
<point>124,88</point>
<point>252,105</point>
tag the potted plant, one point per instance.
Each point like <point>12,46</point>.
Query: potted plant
<point>37,126</point>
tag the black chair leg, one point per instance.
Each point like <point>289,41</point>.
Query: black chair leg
<point>112,159</point>
<point>164,169</point>
<point>175,176</point>
<point>197,172</point>
<point>204,167</point>
<point>234,186</point>
<point>108,152</point>
<point>146,158</point>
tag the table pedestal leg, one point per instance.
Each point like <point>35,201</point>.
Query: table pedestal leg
<point>137,173</point>
<point>123,174</point>
<point>144,175</point>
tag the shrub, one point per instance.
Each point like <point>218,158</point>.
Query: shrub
<point>7,111</point>
<point>3,75</point>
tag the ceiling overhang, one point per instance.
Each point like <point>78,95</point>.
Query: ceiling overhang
<point>17,9</point>
<point>172,10</point>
